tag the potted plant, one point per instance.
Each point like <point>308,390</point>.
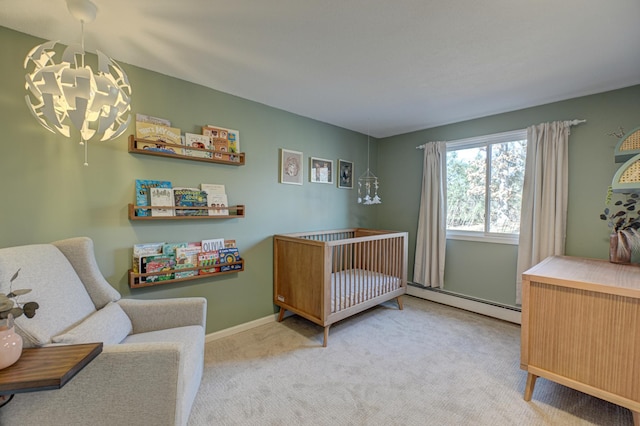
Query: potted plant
<point>624,221</point>
<point>9,304</point>
<point>10,307</point>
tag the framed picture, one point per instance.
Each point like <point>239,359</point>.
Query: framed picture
<point>291,167</point>
<point>345,174</point>
<point>321,170</point>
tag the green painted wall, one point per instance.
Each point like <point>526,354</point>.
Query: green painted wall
<point>487,271</point>
<point>48,194</point>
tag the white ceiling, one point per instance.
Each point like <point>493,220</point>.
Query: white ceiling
<point>380,66</point>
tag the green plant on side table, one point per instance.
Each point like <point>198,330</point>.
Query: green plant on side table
<point>9,304</point>
<point>624,221</point>
<point>10,308</point>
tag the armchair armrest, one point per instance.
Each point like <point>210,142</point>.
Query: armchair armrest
<point>161,314</point>
<point>126,384</point>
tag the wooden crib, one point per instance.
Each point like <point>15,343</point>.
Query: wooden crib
<point>327,276</point>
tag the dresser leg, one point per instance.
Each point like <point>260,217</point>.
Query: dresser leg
<point>636,418</point>
<point>281,314</point>
<point>528,389</point>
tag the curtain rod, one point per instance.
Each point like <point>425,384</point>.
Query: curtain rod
<point>573,122</point>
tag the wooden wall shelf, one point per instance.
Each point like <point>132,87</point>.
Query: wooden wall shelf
<point>239,212</point>
<point>134,284</point>
<point>133,148</point>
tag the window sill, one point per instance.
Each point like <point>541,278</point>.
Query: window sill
<point>510,239</point>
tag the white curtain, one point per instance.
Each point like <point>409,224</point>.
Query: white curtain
<point>544,197</point>
<point>431,238</point>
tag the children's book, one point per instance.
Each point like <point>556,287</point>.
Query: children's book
<point>190,197</point>
<point>229,255</point>
<point>224,140</point>
<point>197,141</point>
<point>213,188</point>
<point>161,197</point>
<point>156,132</point>
<point>153,120</point>
<point>142,193</point>
<point>157,263</point>
<point>206,259</point>
<point>217,202</point>
<point>169,249</point>
<point>145,249</point>
<point>186,257</point>
<point>212,244</point>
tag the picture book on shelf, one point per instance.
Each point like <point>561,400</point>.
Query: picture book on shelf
<point>218,201</point>
<point>229,255</point>
<point>212,244</point>
<point>142,193</point>
<point>224,140</point>
<point>157,132</point>
<point>213,188</point>
<point>197,141</point>
<point>206,259</point>
<point>157,263</point>
<point>153,120</point>
<point>190,197</point>
<point>161,197</point>
<point>145,249</point>
<point>216,197</point>
<point>187,257</point>
<point>169,249</point>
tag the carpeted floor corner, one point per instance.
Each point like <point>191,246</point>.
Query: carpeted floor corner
<point>428,364</point>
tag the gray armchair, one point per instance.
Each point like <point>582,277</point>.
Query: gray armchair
<point>150,369</point>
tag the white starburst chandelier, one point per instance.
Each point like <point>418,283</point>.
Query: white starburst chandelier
<point>368,185</point>
<point>71,93</point>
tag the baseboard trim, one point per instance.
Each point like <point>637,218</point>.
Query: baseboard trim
<point>434,296</point>
<point>240,328</point>
<point>505,314</point>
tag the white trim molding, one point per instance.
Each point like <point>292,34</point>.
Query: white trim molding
<point>483,308</point>
<point>240,328</point>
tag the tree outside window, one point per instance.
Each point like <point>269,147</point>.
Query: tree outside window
<point>484,180</point>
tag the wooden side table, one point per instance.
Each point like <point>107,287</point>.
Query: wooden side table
<point>45,368</point>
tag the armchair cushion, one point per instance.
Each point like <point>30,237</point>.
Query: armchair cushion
<point>109,325</point>
<point>79,252</point>
<point>56,287</point>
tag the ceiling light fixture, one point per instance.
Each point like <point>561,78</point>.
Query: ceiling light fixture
<point>368,185</point>
<point>71,93</point>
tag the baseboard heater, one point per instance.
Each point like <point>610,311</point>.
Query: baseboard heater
<point>469,303</point>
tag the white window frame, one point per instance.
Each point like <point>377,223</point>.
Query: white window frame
<point>485,141</point>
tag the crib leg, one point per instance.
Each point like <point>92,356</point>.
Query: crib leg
<point>326,336</point>
<point>399,300</point>
<point>281,314</point>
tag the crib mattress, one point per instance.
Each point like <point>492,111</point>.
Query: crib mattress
<point>353,286</point>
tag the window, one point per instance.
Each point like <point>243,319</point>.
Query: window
<point>484,187</point>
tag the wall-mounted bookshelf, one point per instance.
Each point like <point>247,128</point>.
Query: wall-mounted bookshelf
<point>134,278</point>
<point>234,212</point>
<point>218,157</point>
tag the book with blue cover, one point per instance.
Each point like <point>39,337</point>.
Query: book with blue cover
<point>142,193</point>
<point>190,197</point>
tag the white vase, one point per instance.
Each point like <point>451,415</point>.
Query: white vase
<point>10,343</point>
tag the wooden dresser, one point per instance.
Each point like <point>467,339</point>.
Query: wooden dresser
<point>581,328</point>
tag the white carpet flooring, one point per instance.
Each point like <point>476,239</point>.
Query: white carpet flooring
<point>428,364</point>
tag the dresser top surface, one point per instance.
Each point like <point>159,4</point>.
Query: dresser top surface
<point>578,271</point>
